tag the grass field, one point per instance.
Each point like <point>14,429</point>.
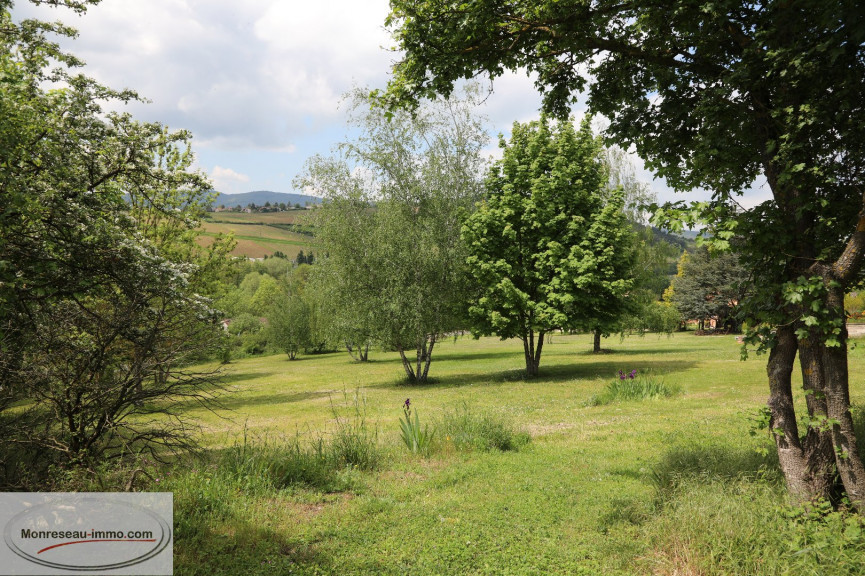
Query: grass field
<point>259,234</point>
<point>668,486</point>
<point>286,217</point>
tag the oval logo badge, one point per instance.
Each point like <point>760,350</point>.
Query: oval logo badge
<point>87,533</point>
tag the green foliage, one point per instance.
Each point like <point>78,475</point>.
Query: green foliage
<point>808,295</point>
<point>466,429</point>
<point>418,440</point>
<point>267,292</point>
<point>633,386</point>
<point>289,323</point>
<point>649,315</point>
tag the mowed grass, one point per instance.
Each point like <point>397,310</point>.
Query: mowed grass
<point>665,486</point>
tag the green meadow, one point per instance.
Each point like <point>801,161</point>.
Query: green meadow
<point>259,234</point>
<point>686,484</point>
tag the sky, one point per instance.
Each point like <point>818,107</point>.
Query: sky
<point>259,82</point>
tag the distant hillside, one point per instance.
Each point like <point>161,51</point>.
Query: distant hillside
<point>259,197</point>
<point>684,240</point>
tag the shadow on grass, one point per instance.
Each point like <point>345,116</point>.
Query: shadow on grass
<point>232,402</point>
<point>634,351</point>
<point>230,377</point>
<point>706,462</point>
<point>477,356</point>
<point>209,542</point>
<point>552,373</point>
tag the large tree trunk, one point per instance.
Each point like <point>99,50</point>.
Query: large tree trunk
<point>782,422</point>
<point>836,375</point>
<point>817,443</point>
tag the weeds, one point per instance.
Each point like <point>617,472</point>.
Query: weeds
<point>633,386</point>
<point>354,443</point>
<point>466,430</point>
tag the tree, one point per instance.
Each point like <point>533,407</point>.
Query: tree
<point>712,95</point>
<point>289,319</point>
<point>391,259</point>
<point>542,244</point>
<point>709,286</point>
<point>99,307</point>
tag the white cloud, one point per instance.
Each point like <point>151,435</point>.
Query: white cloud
<point>227,180</point>
<point>253,74</point>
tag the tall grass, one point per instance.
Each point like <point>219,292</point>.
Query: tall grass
<point>485,431</point>
<point>640,387</point>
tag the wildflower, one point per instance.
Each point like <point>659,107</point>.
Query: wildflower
<point>407,405</point>
<point>621,375</point>
<point>633,374</point>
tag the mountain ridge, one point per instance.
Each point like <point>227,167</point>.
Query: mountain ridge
<point>259,197</point>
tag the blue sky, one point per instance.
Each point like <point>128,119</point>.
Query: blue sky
<point>258,82</point>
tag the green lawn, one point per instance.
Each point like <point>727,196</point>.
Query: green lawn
<point>670,486</point>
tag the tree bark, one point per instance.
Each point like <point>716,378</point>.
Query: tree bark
<point>362,352</point>
<point>596,341</point>
<point>409,372</point>
<point>836,375</point>
<point>782,422</point>
<point>350,348</point>
<point>417,372</point>
<point>817,443</point>
<point>432,342</point>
